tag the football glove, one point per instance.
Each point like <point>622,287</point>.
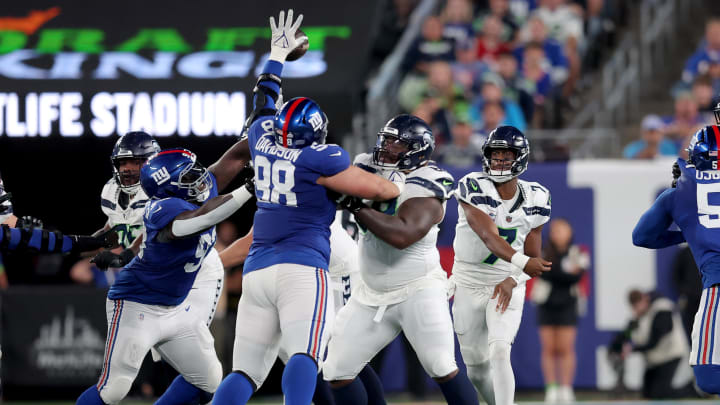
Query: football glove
<point>107,240</point>
<point>350,203</point>
<point>282,40</point>
<point>676,174</point>
<point>107,258</point>
<point>29,222</point>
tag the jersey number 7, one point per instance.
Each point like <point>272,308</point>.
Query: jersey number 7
<point>509,234</point>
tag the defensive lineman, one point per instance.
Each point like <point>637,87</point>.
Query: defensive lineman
<point>286,302</point>
<point>693,208</point>
<point>403,287</point>
<point>497,247</point>
<point>143,305</point>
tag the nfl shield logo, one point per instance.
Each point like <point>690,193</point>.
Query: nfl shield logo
<point>508,218</point>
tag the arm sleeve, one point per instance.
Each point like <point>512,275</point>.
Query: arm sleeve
<point>661,326</point>
<point>652,230</point>
<point>274,68</point>
<point>327,161</point>
<point>38,240</point>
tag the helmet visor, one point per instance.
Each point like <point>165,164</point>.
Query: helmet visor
<point>197,181</point>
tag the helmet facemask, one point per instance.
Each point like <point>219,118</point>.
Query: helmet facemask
<point>196,179</point>
<point>393,152</point>
<point>128,177</point>
<point>502,164</point>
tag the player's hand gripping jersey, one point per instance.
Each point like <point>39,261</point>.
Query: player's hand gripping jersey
<point>386,269</point>
<point>474,263</point>
<point>162,273</point>
<point>294,213</point>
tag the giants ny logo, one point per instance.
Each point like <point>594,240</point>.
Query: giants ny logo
<point>315,120</point>
<point>161,176</point>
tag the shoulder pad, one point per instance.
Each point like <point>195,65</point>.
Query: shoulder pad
<point>539,194</point>
<point>476,189</point>
<point>436,180</point>
<point>364,161</point>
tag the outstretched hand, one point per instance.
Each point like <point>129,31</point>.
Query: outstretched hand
<point>282,40</point>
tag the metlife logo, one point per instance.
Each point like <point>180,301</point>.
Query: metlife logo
<point>100,81</point>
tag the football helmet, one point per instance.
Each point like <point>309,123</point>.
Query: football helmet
<point>299,123</point>
<point>716,111</point>
<point>703,148</point>
<point>133,145</point>
<point>511,138</point>
<point>405,142</point>
<point>176,173</point>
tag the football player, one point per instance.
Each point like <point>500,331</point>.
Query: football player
<point>27,234</point>
<point>123,202</point>
<point>402,285</point>
<point>143,305</point>
<point>693,207</point>
<point>343,271</point>
<point>286,302</point>
<point>498,241</point>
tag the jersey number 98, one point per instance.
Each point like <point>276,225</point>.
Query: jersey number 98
<point>274,180</point>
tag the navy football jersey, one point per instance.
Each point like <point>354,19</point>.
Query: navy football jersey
<point>163,272</point>
<point>695,208</point>
<point>294,213</point>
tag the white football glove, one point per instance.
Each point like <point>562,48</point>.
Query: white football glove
<point>283,41</point>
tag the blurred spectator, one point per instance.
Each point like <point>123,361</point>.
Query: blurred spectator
<point>491,92</point>
<point>688,284</point>
<point>680,127</point>
<point>465,149</point>
<point>457,16</point>
<point>431,46</point>
<point>565,24</point>
<point>393,21</point>
<point>556,293</point>
<point>702,91</point>
<point>555,63</point>
<point>84,272</point>
<point>714,73</point>
<point>494,116</point>
<point>708,52</point>
<point>490,43</point>
<point>227,233</point>
<point>656,332</point>
<point>440,97</point>
<point>513,84</point>
<point>652,142</point>
<point>537,81</point>
<point>501,10</point>
<point>467,69</point>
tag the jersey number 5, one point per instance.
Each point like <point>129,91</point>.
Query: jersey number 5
<point>707,211</point>
<point>509,234</point>
<point>273,180</point>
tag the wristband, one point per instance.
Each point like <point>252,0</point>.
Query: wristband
<point>241,195</point>
<point>519,260</point>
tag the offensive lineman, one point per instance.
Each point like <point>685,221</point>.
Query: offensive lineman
<point>693,207</point>
<point>123,201</point>
<point>498,241</point>
<point>143,305</point>
<point>403,287</point>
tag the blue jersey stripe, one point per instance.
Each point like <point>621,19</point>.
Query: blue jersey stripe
<point>479,200</point>
<point>107,203</point>
<point>542,211</point>
<point>114,340</point>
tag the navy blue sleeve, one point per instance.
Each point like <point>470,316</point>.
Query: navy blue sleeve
<point>274,68</point>
<point>652,230</point>
<point>38,240</point>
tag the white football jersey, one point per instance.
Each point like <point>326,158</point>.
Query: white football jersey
<point>343,250</point>
<point>386,269</point>
<point>7,204</point>
<point>130,219</point>
<point>475,265</point>
<point>130,224</point>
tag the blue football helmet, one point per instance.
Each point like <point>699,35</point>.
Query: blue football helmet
<point>176,173</point>
<point>299,123</point>
<point>406,142</point>
<point>511,138</point>
<point>703,148</point>
<point>133,145</point>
